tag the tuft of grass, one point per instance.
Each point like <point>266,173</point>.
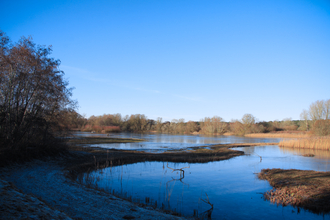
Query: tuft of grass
<point>320,143</point>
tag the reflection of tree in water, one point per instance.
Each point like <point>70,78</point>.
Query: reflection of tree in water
<point>170,190</point>
<point>251,151</point>
<point>206,214</point>
<point>181,174</point>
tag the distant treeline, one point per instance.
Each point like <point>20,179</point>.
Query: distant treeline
<point>208,126</point>
<point>316,120</point>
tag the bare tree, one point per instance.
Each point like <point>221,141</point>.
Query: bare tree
<point>327,109</point>
<point>248,121</point>
<point>316,110</point>
<point>304,116</point>
<point>215,125</point>
<point>33,92</point>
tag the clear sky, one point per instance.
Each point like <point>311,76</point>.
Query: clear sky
<point>184,59</point>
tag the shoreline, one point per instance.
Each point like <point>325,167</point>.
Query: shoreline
<point>55,181</point>
<point>51,185</point>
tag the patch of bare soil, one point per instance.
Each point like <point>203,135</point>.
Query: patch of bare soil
<point>300,188</point>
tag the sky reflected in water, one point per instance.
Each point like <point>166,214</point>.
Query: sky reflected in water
<point>232,185</point>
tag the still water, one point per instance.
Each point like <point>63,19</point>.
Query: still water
<point>231,186</point>
<point>166,142</point>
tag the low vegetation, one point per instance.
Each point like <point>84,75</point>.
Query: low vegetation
<point>280,134</point>
<point>300,188</point>
<point>320,143</point>
<point>101,140</point>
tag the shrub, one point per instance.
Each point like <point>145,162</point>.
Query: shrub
<point>321,127</point>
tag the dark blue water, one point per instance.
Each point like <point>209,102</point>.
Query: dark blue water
<point>231,186</point>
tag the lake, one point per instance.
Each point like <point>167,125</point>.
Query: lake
<point>231,186</point>
<point>165,142</point>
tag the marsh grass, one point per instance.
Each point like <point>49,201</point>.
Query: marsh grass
<point>300,188</point>
<point>279,135</point>
<point>320,143</point>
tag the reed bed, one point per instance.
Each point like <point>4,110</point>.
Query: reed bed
<point>319,143</point>
<point>278,135</point>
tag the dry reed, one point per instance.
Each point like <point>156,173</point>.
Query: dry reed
<point>278,135</point>
<point>320,143</point>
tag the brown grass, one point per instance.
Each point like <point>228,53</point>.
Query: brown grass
<point>279,135</point>
<point>320,143</point>
<point>300,188</point>
<point>228,133</point>
<point>101,140</point>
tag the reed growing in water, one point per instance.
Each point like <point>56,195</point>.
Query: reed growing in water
<point>320,143</point>
<point>278,135</point>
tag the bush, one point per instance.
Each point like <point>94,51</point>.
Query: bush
<point>33,96</point>
<point>321,127</point>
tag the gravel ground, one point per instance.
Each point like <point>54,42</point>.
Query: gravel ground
<point>41,191</point>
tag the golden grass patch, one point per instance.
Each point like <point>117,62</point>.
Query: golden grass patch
<point>278,135</point>
<point>320,143</point>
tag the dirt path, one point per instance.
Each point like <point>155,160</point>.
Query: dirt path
<point>45,180</point>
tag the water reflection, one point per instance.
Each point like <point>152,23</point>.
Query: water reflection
<point>230,186</point>
<point>165,142</point>
<point>320,154</point>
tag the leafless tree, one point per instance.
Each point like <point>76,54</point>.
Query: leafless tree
<point>33,93</point>
<point>304,116</point>
<point>215,125</point>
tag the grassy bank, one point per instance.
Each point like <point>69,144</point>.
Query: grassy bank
<point>320,143</point>
<point>300,188</point>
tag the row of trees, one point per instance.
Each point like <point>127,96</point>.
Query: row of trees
<point>207,126</point>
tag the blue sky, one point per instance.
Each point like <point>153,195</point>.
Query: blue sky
<point>184,59</point>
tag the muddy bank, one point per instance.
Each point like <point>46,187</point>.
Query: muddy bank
<point>300,188</point>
